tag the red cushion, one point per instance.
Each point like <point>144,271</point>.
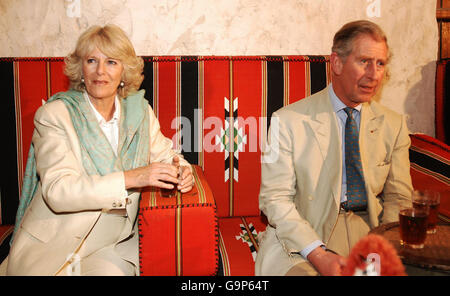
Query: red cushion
<point>430,160</point>
<point>178,235</point>
<point>239,244</point>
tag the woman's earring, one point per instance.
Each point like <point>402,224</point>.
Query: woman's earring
<point>122,84</point>
<point>82,80</point>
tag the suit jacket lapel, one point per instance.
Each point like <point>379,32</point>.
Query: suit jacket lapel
<point>321,120</point>
<point>320,126</point>
<point>324,125</point>
<point>370,128</point>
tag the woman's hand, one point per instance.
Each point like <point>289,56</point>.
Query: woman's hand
<point>155,174</point>
<point>186,182</point>
<point>161,175</point>
<point>186,179</point>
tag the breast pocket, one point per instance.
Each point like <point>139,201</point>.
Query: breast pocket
<point>380,173</point>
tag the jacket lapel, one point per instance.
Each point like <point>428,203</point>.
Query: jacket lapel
<point>370,129</point>
<point>325,130</point>
<point>320,126</point>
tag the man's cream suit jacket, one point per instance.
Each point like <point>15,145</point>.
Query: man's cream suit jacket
<point>68,202</point>
<point>300,191</point>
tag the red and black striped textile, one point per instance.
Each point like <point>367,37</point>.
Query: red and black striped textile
<point>238,244</point>
<point>26,82</point>
<point>190,96</point>
<point>430,168</point>
<point>221,106</point>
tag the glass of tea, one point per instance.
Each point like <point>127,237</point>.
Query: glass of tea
<point>430,198</point>
<point>413,226</point>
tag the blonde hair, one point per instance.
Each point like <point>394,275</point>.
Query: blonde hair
<point>113,42</point>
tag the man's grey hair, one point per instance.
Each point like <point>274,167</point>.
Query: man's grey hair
<point>344,38</point>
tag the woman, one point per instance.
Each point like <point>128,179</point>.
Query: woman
<point>94,147</point>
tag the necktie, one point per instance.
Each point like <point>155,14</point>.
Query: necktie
<point>356,192</point>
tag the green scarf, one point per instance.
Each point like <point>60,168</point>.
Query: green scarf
<point>97,154</point>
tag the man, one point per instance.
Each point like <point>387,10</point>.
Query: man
<point>343,165</point>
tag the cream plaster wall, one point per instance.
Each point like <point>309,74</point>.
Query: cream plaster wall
<point>33,28</point>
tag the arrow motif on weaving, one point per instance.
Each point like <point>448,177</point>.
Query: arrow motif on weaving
<point>232,139</point>
<point>245,237</point>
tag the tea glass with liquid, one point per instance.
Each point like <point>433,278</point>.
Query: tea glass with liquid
<point>413,226</point>
<point>430,199</point>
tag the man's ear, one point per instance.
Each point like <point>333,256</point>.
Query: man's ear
<point>336,63</point>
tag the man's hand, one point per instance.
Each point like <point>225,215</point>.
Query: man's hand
<point>326,263</point>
